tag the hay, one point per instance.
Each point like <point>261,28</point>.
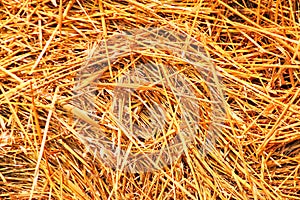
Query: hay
<point>254,46</point>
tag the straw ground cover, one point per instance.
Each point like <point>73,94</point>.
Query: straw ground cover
<point>253,44</point>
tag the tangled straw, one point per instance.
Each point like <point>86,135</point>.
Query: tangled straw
<point>144,96</point>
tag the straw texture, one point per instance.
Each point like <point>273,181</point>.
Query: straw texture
<point>254,46</point>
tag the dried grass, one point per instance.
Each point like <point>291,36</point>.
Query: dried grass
<point>255,46</point>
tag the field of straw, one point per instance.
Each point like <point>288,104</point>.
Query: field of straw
<point>244,118</point>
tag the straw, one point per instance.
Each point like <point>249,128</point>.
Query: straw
<point>254,47</point>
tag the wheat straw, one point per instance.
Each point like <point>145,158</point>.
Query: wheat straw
<point>253,44</point>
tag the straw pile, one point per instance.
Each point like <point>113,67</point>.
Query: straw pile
<point>255,48</point>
